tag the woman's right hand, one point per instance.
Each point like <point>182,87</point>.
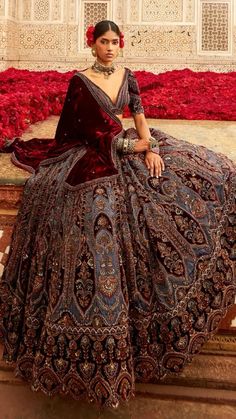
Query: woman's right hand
<point>141,145</point>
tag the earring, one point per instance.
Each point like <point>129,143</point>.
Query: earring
<point>93,51</point>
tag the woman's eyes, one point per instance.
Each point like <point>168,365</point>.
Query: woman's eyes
<point>115,42</point>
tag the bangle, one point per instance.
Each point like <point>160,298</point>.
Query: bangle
<point>153,143</point>
<point>120,144</point>
<point>125,145</point>
<point>131,146</point>
<point>153,146</point>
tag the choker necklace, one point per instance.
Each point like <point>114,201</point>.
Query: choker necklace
<point>99,68</point>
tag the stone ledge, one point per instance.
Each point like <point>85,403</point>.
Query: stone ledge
<point>210,372</point>
<point>186,393</point>
<point>10,196</point>
<point>7,377</point>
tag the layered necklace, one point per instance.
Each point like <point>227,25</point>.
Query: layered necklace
<point>102,69</point>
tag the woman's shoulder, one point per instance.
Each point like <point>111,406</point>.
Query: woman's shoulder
<point>79,72</point>
<point>132,80</point>
<point>76,81</point>
<point>83,71</point>
<point>130,73</point>
<point>76,78</point>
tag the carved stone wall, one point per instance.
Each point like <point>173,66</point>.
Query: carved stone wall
<point>160,34</point>
<point>159,11</point>
<point>215,27</point>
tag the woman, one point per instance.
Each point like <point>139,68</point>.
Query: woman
<point>123,256</point>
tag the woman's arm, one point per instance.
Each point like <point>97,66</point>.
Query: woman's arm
<point>141,126</point>
<point>153,161</point>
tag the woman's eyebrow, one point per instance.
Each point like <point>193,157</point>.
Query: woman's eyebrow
<point>106,39</point>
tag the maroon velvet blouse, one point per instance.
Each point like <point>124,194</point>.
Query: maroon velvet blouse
<point>129,94</point>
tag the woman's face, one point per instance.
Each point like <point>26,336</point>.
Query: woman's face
<point>107,47</point>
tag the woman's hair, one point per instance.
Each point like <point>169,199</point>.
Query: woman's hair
<point>104,26</point>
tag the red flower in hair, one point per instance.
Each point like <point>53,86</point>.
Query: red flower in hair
<point>122,43</point>
<point>89,35</point>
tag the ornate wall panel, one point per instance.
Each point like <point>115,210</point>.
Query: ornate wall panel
<point>71,10</point>
<point>216,26</point>
<point>149,41</point>
<point>133,11</point>
<point>119,11</point>
<point>189,10</point>
<point>72,42</point>
<point>26,9</point>
<point>2,8</point>
<point>41,10</point>
<point>3,38</point>
<point>42,40</point>
<point>162,11</point>
<point>12,8</point>
<point>56,10</point>
<point>12,40</point>
<point>8,40</point>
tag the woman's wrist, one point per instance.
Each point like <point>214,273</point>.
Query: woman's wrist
<point>153,145</point>
<point>125,145</point>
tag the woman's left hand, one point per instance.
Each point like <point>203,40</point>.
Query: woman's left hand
<point>154,163</point>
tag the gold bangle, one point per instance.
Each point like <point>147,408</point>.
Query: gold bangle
<point>120,144</point>
<point>131,146</point>
<point>125,145</point>
<point>154,145</point>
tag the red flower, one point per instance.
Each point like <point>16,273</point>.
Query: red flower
<point>122,43</point>
<point>27,97</point>
<point>90,35</point>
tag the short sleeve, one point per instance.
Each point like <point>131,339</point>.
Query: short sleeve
<point>135,104</point>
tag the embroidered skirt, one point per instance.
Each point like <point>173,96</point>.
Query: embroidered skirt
<point>120,279</point>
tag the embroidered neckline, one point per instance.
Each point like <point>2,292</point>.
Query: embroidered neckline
<point>114,104</point>
<point>95,94</point>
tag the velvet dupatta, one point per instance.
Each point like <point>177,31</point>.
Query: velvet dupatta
<point>85,123</point>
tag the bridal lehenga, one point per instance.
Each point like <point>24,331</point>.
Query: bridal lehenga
<point>114,276</point>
